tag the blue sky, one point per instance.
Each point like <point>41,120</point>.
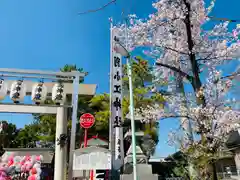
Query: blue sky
<point>47,34</point>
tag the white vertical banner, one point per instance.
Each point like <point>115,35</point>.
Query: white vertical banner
<point>116,104</point>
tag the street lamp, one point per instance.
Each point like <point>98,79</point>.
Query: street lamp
<point>119,48</point>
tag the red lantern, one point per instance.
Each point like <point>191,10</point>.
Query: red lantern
<point>34,171</point>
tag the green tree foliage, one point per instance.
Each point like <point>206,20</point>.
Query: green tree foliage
<point>179,164</point>
<point>100,106</point>
<point>7,135</point>
<point>11,137</point>
<point>27,136</point>
<point>141,73</point>
<point>70,68</point>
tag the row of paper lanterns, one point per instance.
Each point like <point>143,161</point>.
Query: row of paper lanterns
<point>39,92</point>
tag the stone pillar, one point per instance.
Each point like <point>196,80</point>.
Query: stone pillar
<point>237,159</point>
<point>60,152</point>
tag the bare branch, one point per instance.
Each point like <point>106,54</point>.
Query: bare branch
<point>208,57</point>
<point>212,58</point>
<point>190,78</point>
<point>231,76</point>
<point>169,48</point>
<point>98,9</point>
<point>174,116</point>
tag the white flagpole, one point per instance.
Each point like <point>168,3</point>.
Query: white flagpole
<point>110,85</point>
<point>129,65</point>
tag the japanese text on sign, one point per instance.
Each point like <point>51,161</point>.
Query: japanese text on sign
<point>93,160</point>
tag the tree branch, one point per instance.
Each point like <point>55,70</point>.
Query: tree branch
<point>175,116</point>
<point>171,49</point>
<point>208,57</point>
<point>231,76</point>
<point>190,78</point>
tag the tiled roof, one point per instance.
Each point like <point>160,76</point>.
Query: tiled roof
<point>97,142</point>
<point>138,151</point>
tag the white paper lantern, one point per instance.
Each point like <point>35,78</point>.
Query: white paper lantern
<point>3,89</point>
<point>18,91</point>
<point>39,93</point>
<point>58,94</point>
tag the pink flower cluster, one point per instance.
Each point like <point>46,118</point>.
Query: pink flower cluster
<point>12,166</point>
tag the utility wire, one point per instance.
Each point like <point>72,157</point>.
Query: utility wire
<point>98,9</point>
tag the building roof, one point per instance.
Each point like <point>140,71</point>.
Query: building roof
<point>138,151</point>
<point>45,152</point>
<point>96,141</point>
<point>90,150</point>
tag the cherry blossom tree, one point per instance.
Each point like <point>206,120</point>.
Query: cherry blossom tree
<point>188,55</point>
<point>213,122</point>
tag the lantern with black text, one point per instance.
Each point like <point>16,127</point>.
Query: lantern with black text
<point>39,93</point>
<point>58,95</point>
<point>3,89</point>
<point>18,91</point>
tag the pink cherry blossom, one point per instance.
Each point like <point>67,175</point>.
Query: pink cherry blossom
<point>181,45</point>
<point>16,164</point>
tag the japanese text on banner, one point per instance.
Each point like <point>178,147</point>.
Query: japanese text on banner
<point>116,100</point>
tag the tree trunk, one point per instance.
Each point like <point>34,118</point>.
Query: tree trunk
<point>196,82</point>
<point>214,171</point>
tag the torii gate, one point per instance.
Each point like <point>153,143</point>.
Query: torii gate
<point>73,89</point>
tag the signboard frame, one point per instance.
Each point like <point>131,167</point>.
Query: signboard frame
<point>92,158</point>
